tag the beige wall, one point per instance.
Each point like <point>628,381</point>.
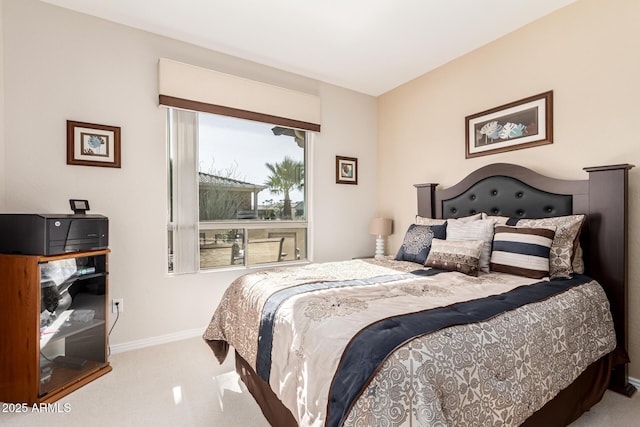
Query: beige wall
<point>61,65</point>
<point>587,53</point>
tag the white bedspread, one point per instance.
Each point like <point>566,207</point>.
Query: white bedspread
<point>493,372</point>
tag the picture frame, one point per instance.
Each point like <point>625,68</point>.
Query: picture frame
<point>521,124</point>
<point>346,170</point>
<point>91,144</point>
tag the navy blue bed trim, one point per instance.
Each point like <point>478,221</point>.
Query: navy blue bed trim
<point>372,345</point>
<point>265,337</point>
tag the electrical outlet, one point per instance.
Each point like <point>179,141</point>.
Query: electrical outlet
<point>120,308</point>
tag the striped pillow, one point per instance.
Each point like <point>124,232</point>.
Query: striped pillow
<point>522,251</point>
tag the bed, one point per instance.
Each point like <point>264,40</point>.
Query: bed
<point>454,331</point>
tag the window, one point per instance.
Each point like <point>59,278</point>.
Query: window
<point>237,192</point>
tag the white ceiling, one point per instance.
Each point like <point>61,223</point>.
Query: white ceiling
<point>370,46</point>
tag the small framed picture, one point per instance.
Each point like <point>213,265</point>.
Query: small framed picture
<point>346,170</point>
<point>93,145</point>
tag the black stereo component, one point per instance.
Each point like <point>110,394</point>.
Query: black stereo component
<point>50,234</point>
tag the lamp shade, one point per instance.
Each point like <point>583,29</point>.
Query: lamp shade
<point>380,226</point>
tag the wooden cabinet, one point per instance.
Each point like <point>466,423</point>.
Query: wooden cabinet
<point>53,324</point>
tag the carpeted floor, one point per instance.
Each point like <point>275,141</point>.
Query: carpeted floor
<point>181,384</point>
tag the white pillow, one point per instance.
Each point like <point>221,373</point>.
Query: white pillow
<point>500,220</point>
<point>421,220</point>
<point>481,229</point>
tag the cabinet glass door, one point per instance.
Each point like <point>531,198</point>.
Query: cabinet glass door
<point>72,319</point>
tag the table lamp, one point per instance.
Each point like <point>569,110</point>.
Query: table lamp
<point>380,227</point>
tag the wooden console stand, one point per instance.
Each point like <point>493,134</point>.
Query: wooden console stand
<point>53,324</point>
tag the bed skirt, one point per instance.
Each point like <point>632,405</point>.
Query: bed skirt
<point>566,407</point>
<point>272,408</point>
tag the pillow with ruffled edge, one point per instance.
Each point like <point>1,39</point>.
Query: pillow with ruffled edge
<point>417,242</point>
<point>474,230</point>
<point>523,251</point>
<point>460,255</point>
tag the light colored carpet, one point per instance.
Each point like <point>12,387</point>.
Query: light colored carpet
<point>181,384</point>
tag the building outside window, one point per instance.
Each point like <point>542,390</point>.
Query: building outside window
<point>249,187</point>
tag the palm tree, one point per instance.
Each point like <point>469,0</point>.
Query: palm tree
<point>285,176</point>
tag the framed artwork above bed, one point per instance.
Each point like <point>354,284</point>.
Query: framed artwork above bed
<point>520,124</point>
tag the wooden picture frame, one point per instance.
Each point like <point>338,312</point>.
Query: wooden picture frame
<point>521,124</point>
<point>91,144</point>
<point>346,170</point>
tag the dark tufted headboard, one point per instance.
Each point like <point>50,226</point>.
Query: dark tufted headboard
<point>515,191</point>
<point>507,190</point>
<point>507,196</point>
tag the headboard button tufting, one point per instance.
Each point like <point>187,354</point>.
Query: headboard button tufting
<point>500,195</point>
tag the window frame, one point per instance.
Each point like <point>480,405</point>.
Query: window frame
<point>243,224</point>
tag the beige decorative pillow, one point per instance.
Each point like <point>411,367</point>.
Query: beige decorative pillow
<point>421,220</point>
<point>565,242</point>
<point>462,256</point>
<point>578,260</point>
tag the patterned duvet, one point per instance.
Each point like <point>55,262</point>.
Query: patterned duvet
<point>382,342</point>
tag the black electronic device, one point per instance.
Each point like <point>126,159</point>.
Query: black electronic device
<point>78,206</point>
<point>50,234</point>
<point>70,362</point>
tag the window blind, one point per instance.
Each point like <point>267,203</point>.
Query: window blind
<point>183,126</point>
<point>200,89</point>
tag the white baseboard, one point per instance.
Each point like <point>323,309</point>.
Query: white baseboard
<point>634,382</point>
<point>162,339</point>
